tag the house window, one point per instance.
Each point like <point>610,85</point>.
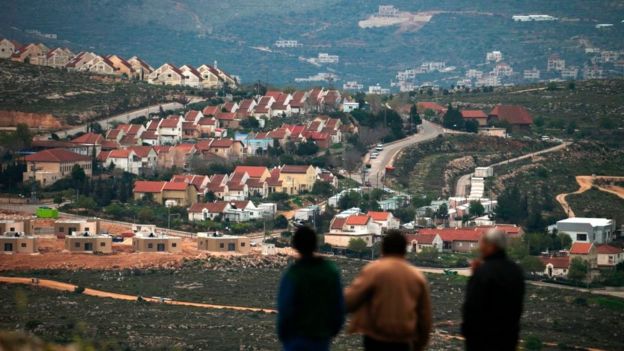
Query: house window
<point>77,244</point>
<point>23,245</point>
<point>12,229</point>
<point>222,245</point>
<point>174,245</point>
<point>102,244</point>
<point>242,244</point>
<point>61,229</point>
<point>150,245</point>
<point>581,237</point>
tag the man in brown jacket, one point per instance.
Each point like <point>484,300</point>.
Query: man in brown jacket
<point>390,301</point>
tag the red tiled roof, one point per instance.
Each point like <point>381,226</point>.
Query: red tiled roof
<point>222,143</point>
<point>252,171</point>
<point>226,116</point>
<point>357,220</point>
<point>211,110</point>
<point>207,121</point>
<point>473,114</point>
<point>512,114</point>
<point>141,151</point>
<point>426,105</point>
<point>581,248</point>
<point>119,154</point>
<point>274,94</point>
<point>56,155</point>
<point>379,216</point>
<point>295,169</point>
<point>145,186</point>
<point>110,144</point>
<point>255,183</point>
<point>175,186</point>
<point>239,204</point>
<point>559,262</point>
<point>426,239</point>
<point>169,122</point>
<point>149,135</point>
<point>212,207</point>
<point>455,234</point>
<point>103,156</point>
<point>338,223</point>
<point>608,250</point>
<point>128,140</point>
<point>88,139</point>
<point>191,116</point>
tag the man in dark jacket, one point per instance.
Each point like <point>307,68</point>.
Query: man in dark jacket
<point>494,298</point>
<point>310,302</point>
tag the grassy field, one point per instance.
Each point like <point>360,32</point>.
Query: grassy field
<point>67,95</point>
<point>560,316</point>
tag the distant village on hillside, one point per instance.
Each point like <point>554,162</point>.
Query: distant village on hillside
<point>205,76</point>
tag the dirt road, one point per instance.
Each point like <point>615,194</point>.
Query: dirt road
<point>586,183</point>
<point>56,285</point>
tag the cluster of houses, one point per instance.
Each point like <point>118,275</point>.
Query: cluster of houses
<point>591,242</point>
<point>205,76</point>
<point>84,236</point>
<point>174,141</point>
<point>516,116</point>
<point>242,184</point>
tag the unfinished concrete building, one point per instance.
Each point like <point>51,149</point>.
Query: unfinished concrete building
<point>152,242</point>
<point>88,242</point>
<point>216,242</point>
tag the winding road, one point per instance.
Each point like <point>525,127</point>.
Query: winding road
<point>463,181</point>
<point>386,157</point>
<point>126,116</point>
<point>585,183</point>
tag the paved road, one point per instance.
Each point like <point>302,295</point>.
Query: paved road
<point>386,157</point>
<point>463,181</point>
<point>126,116</point>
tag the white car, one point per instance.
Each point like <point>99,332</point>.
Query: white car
<point>373,156</point>
<point>379,148</point>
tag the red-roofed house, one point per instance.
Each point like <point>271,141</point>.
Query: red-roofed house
<point>192,77</point>
<point>48,166</point>
<point>457,239</point>
<point>385,219</point>
<point>58,57</point>
<point>210,77</point>
<point>170,130</point>
<point>145,188</point>
<point>228,119</point>
<point>204,211</point>
<point>122,67</point>
<point>167,74</point>
<point>31,53</point>
<point>556,266</point>
<point>8,47</point>
<point>140,68</point>
<point>475,115</point>
<point>166,193</point>
<point>358,226</point>
<point>296,179</point>
<point>516,116</point>
<point>585,251</point>
<point>417,242</point>
<point>609,256</point>
<point>425,106</point>
<point>90,140</point>
<point>126,160</point>
<point>257,172</point>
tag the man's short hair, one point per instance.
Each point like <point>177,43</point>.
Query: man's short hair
<point>394,243</point>
<point>304,241</point>
<point>496,237</point>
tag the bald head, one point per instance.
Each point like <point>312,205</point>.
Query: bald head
<point>494,240</point>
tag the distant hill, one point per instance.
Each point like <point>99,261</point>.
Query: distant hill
<point>230,32</point>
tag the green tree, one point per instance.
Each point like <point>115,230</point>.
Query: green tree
<point>532,264</point>
<point>472,126</point>
<point>322,188</point>
<point>564,240</point>
<point>145,214</point>
<point>210,196</point>
<point>357,245</point>
<point>476,208</point>
<point>23,135</point>
<point>517,249</point>
<point>86,202</point>
<point>579,269</point>
<point>280,222</point>
<point>453,119</point>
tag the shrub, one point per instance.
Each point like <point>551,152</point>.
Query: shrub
<point>533,343</point>
<point>79,289</point>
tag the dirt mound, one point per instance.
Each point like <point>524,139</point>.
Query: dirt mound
<point>33,120</point>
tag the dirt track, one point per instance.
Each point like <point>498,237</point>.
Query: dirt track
<point>585,184</point>
<point>55,285</point>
